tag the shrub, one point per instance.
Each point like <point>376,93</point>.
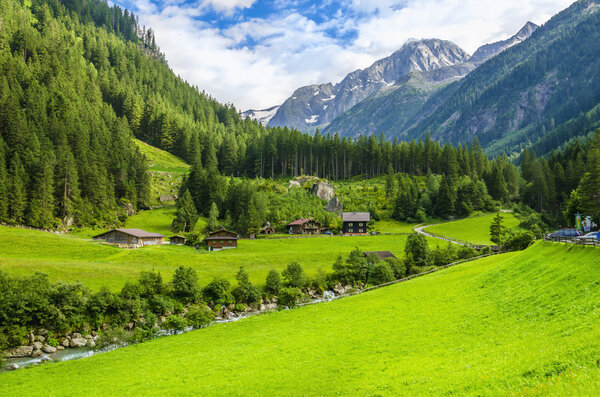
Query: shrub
<point>245,292</point>
<point>289,296</point>
<point>160,304</point>
<point>174,323</point>
<point>199,316</point>
<point>416,246</point>
<point>112,337</point>
<point>380,273</point>
<point>217,292</point>
<point>397,267</point>
<point>185,285</point>
<point>518,240</point>
<point>466,252</point>
<point>273,282</point>
<point>150,284</point>
<point>52,342</point>
<point>294,276</point>
<point>319,282</point>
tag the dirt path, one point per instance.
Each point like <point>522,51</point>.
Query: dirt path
<point>419,229</point>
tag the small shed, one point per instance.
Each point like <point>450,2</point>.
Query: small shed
<point>268,229</point>
<point>178,240</point>
<point>305,226</point>
<point>132,238</point>
<point>221,239</point>
<point>355,222</point>
<point>382,254</point>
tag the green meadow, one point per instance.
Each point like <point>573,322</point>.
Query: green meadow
<point>522,323</point>
<point>475,230</point>
<point>70,258</point>
<point>160,160</point>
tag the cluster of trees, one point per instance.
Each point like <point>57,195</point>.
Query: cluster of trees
<point>65,155</point>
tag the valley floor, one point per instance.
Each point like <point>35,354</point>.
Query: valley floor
<point>521,323</point>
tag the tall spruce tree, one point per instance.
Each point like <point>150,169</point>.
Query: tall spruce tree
<point>17,191</point>
<point>186,215</point>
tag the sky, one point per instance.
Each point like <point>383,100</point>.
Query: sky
<point>255,53</point>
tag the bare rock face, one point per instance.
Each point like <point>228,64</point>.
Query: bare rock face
<point>323,190</point>
<point>17,352</point>
<point>335,205</point>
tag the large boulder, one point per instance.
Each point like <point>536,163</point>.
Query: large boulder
<point>64,342</point>
<point>21,351</point>
<point>335,205</point>
<point>37,353</point>
<point>294,184</point>
<point>323,190</point>
<point>78,342</point>
<point>48,349</point>
<point>37,345</point>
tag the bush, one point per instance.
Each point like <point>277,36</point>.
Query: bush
<point>199,316</point>
<point>380,273</point>
<point>294,276</point>
<point>417,247</point>
<point>245,292</point>
<point>185,285</point>
<point>397,267</point>
<point>273,282</point>
<point>161,305</point>
<point>174,323</point>
<point>466,252</point>
<point>52,342</point>
<point>112,337</point>
<point>319,282</point>
<point>217,292</point>
<point>289,297</point>
<point>518,240</point>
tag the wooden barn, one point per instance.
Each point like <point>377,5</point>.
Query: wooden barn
<point>380,254</point>
<point>305,226</point>
<point>221,239</point>
<point>355,222</point>
<point>268,229</point>
<point>132,238</point>
<point>178,240</point>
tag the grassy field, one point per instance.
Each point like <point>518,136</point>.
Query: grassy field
<point>475,230</point>
<point>515,324</point>
<point>70,258</point>
<point>157,220</point>
<point>392,226</point>
<point>160,160</point>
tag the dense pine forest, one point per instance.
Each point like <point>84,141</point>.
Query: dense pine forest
<point>81,78</point>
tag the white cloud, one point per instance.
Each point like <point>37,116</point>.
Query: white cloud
<point>292,50</point>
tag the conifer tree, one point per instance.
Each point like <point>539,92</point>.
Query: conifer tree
<point>18,190</point>
<point>186,216</point>
<point>41,204</point>
<point>3,185</point>
<point>213,216</point>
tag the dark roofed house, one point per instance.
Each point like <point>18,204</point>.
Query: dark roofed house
<point>305,226</point>
<point>355,222</point>
<point>179,240</point>
<point>221,239</point>
<point>381,254</point>
<point>133,238</point>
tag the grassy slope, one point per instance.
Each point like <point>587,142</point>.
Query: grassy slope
<point>475,230</point>
<point>520,323</point>
<point>70,258</point>
<point>160,160</point>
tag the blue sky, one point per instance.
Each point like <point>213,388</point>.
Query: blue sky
<point>255,53</point>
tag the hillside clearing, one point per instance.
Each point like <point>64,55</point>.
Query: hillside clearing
<point>518,323</point>
<point>475,230</point>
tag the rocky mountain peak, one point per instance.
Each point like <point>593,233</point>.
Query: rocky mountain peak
<point>487,51</point>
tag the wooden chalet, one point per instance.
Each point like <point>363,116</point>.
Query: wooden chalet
<point>178,240</point>
<point>305,226</point>
<point>381,254</point>
<point>355,222</point>
<point>221,239</point>
<point>268,229</point>
<point>132,238</point>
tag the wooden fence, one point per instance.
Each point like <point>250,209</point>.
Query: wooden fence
<point>594,242</point>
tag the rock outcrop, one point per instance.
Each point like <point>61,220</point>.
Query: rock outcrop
<point>335,206</point>
<point>323,190</point>
<point>17,352</point>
